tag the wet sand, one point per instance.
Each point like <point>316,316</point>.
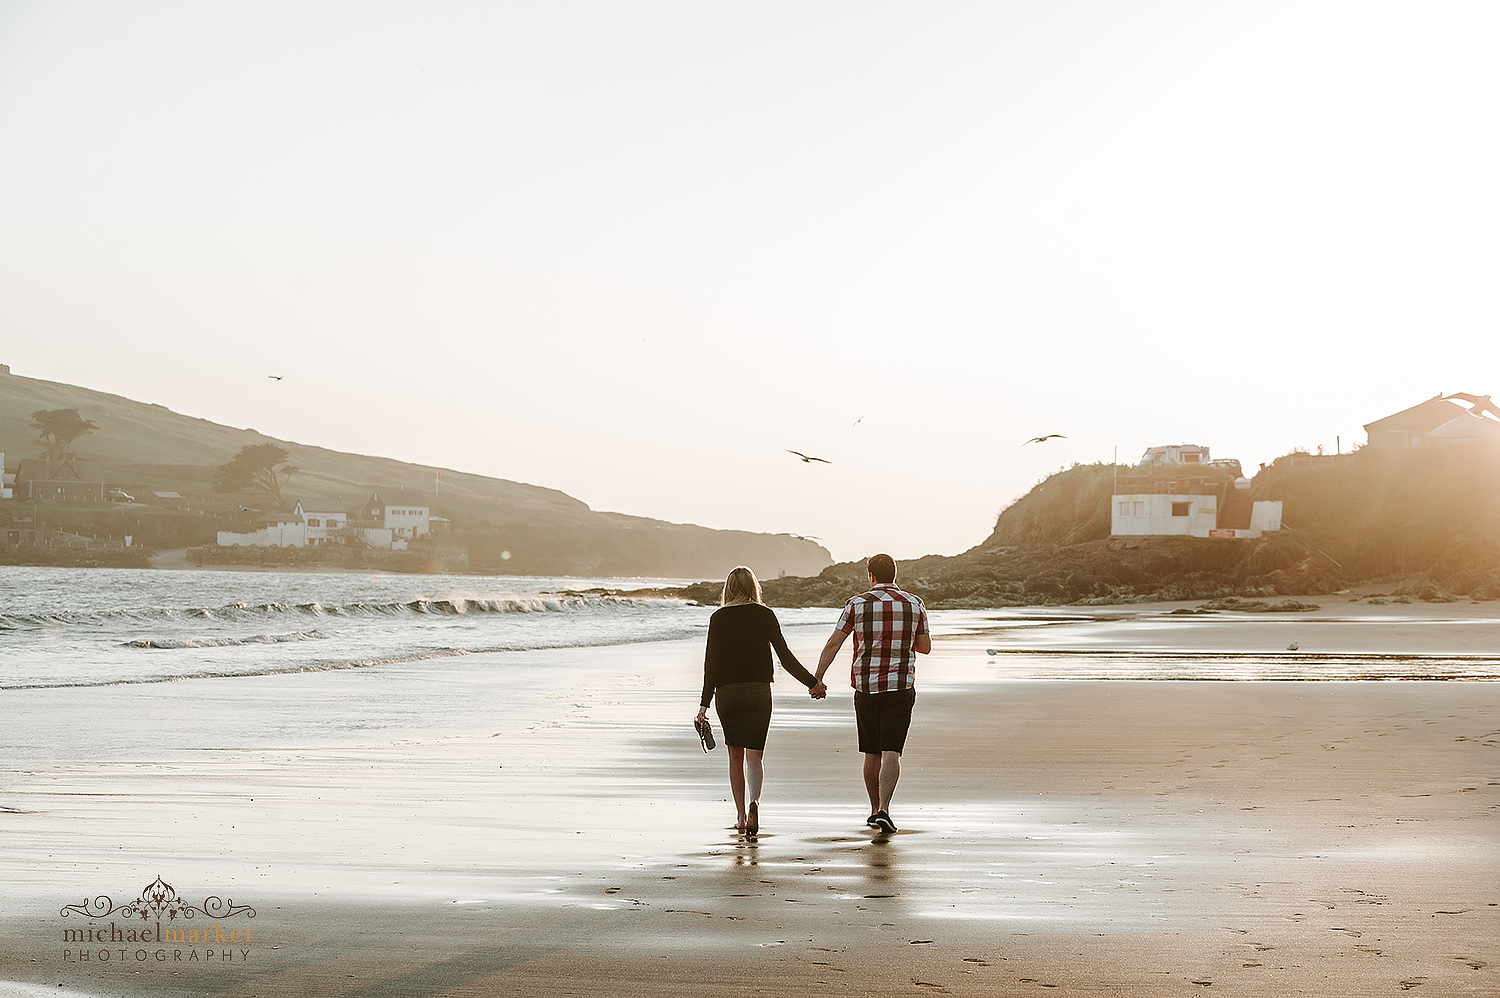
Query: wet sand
<point>1059,837</point>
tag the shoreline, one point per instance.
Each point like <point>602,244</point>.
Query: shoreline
<point>408,832</point>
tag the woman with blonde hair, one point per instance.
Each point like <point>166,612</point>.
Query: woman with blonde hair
<point>737,676</point>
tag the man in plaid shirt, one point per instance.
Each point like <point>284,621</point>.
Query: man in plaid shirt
<point>890,630</point>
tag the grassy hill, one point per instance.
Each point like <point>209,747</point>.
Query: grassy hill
<point>504,526</point>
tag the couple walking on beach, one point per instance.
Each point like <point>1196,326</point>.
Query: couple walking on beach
<point>890,630</point>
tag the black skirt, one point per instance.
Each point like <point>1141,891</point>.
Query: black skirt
<point>744,713</point>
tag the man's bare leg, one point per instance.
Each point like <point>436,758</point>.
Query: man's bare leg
<point>890,775</point>
<point>872,780</point>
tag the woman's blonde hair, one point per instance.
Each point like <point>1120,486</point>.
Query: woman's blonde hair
<point>741,587</point>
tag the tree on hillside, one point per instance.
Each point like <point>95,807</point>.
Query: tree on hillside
<point>259,468</point>
<point>57,429</point>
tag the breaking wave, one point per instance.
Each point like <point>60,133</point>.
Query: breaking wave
<point>243,612</point>
<point>253,639</point>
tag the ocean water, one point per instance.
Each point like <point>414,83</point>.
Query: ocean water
<point>96,627</point>
<point>84,627</point>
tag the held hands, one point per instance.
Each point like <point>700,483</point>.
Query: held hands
<point>819,691</point>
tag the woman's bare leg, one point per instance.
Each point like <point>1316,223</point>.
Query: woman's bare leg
<point>737,783</point>
<point>755,773</point>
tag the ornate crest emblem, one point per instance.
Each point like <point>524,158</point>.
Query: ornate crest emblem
<point>158,900</point>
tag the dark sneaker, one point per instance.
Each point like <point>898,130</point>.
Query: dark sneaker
<point>883,821</point>
<point>872,822</point>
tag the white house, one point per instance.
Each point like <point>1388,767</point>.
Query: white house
<point>1163,515</point>
<point>329,521</point>
<point>1149,515</point>
<point>406,514</point>
<point>326,519</point>
<point>1176,454</point>
<point>286,530</point>
<point>1167,500</point>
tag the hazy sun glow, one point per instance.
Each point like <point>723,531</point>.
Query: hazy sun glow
<point>638,251</point>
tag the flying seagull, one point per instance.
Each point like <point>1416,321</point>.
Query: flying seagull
<point>858,421</point>
<point>1042,440</point>
<point>274,377</point>
<point>805,458</point>
<point>806,537</point>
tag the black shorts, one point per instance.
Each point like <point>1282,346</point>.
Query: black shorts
<point>883,720</point>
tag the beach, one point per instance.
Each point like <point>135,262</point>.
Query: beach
<point>544,822</point>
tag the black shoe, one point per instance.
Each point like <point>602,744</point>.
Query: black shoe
<point>705,733</point>
<point>872,822</point>
<point>882,821</point>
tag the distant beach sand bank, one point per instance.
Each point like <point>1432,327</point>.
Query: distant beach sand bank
<point>410,831</point>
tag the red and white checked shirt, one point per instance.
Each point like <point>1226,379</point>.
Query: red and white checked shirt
<point>885,623</point>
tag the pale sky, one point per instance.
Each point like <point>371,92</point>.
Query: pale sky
<point>635,250</point>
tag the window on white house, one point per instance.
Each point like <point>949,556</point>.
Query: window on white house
<point>1180,508</point>
<point>314,523</point>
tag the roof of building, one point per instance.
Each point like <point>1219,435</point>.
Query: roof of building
<point>1468,427</point>
<point>1422,418</point>
<point>405,497</point>
<point>72,469</point>
<point>323,506</point>
<point>279,518</point>
<point>167,495</point>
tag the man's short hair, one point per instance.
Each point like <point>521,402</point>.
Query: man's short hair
<point>883,567</point>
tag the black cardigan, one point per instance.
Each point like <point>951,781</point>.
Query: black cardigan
<point>740,639</point>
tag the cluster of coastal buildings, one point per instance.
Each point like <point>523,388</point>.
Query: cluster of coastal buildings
<point>1177,490</point>
<point>389,524</point>
<point>1181,492</point>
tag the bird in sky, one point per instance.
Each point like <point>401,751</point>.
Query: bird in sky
<point>806,537</point>
<point>805,458</point>
<point>274,377</point>
<point>1042,440</point>
<point>858,421</point>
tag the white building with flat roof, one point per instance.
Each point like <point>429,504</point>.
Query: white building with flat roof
<point>1163,515</point>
